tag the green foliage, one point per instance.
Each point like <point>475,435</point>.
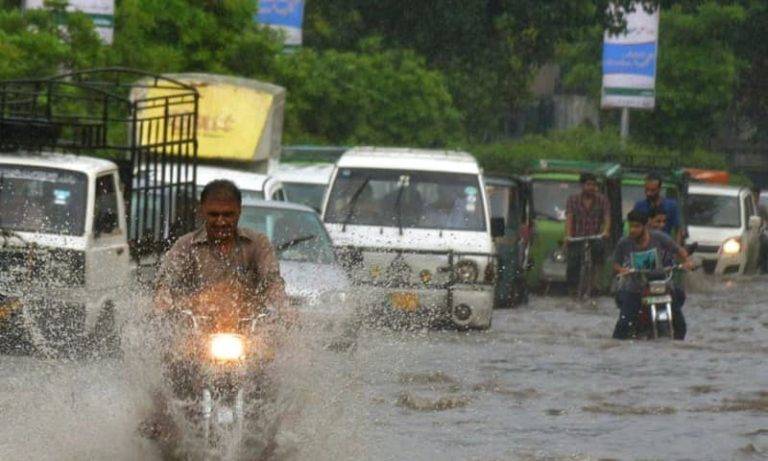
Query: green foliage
<point>376,97</point>
<point>33,45</point>
<point>515,157</point>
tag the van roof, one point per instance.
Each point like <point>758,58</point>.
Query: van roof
<point>71,162</point>
<point>389,158</point>
<point>715,189</point>
<point>575,167</point>
<point>308,173</point>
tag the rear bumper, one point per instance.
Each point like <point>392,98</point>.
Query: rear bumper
<point>460,305</point>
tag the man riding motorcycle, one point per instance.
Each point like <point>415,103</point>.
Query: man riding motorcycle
<point>628,297</point>
<point>221,271</point>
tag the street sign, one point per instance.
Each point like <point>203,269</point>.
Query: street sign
<point>629,62</point>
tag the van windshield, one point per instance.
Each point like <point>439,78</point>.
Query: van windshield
<point>713,211</point>
<point>411,199</point>
<point>44,200</point>
<point>550,197</point>
<point>307,194</point>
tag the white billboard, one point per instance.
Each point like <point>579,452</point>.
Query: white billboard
<point>629,62</point>
<point>102,12</point>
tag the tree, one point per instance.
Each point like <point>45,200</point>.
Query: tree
<point>698,72</point>
<point>375,97</point>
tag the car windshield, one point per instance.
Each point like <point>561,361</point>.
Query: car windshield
<point>297,235</point>
<point>44,200</point>
<point>550,197</point>
<point>631,194</point>
<point>426,200</point>
<point>713,211</point>
<point>307,194</point>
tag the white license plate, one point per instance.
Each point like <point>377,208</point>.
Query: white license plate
<point>658,299</point>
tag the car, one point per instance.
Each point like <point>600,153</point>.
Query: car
<point>305,183</point>
<point>413,229</point>
<point>313,277</point>
<point>724,223</point>
<point>252,185</point>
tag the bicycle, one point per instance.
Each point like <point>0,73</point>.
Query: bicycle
<point>586,272</point>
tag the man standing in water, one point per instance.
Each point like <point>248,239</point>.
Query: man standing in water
<point>762,211</point>
<point>654,201</point>
<point>587,213</point>
<point>628,296</point>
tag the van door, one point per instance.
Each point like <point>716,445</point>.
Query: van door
<point>109,259</point>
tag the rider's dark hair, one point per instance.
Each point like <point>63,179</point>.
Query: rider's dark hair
<point>221,188</point>
<point>587,177</point>
<point>653,177</point>
<point>656,211</point>
<point>638,217</point>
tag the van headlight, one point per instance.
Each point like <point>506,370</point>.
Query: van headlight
<point>558,255</point>
<point>466,271</point>
<point>227,347</point>
<point>732,246</point>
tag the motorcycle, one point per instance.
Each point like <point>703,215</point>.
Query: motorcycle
<point>655,319</point>
<point>219,381</point>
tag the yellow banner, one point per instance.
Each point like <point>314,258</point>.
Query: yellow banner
<point>232,119</point>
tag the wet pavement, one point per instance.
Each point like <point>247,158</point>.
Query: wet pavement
<point>546,383</point>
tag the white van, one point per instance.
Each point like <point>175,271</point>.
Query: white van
<point>725,224</point>
<point>412,227</point>
<point>254,186</point>
<point>305,183</point>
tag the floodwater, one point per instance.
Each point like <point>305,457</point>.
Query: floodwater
<point>545,383</point>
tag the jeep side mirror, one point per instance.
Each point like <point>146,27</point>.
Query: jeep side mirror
<point>498,227</point>
<point>105,223</point>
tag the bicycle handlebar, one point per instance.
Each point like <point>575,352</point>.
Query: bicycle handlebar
<point>584,238</point>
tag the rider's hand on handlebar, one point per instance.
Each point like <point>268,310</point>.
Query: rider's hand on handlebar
<point>689,265</point>
<point>623,271</point>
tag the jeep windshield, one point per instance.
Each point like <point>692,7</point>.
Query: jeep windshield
<point>550,197</point>
<point>44,200</point>
<point>406,199</point>
<point>713,211</point>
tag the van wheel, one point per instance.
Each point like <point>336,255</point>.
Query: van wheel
<point>106,337</point>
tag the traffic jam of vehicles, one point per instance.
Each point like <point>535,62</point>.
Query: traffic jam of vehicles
<point>95,209</point>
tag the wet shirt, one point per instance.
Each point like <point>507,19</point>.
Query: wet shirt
<point>588,221</point>
<point>250,269</point>
<point>665,247</point>
<point>668,206</point>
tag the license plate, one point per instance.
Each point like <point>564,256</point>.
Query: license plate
<point>658,299</point>
<point>8,307</point>
<point>408,302</point>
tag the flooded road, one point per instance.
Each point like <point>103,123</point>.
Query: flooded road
<point>546,383</point>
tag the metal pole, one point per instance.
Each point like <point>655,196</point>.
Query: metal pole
<point>624,125</point>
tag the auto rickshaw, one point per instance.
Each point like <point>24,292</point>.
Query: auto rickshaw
<point>551,183</point>
<point>510,206</point>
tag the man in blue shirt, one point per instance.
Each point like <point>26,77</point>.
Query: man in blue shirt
<point>654,201</point>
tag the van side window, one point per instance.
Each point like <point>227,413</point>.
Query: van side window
<point>278,195</point>
<point>105,212</point>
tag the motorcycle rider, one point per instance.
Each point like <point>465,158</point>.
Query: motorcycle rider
<point>219,269</point>
<point>654,201</point>
<point>628,296</point>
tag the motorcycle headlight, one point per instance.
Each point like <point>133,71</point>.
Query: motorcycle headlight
<point>732,246</point>
<point>466,271</point>
<point>227,347</point>
<point>558,256</point>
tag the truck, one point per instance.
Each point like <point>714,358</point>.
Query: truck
<point>95,184</point>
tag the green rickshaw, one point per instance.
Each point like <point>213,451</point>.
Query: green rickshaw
<point>551,183</point>
<point>510,206</point>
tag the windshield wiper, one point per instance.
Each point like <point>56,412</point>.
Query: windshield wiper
<point>352,203</point>
<point>291,243</point>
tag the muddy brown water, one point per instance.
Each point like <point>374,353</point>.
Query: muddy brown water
<point>546,383</point>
